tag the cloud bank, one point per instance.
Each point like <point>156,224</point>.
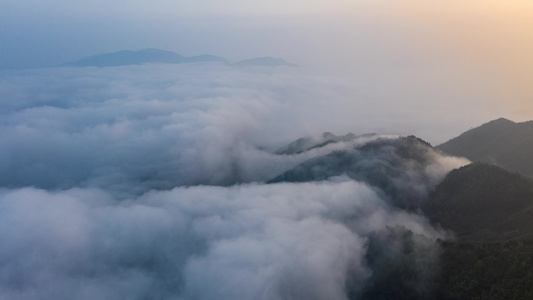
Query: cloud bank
<point>149,182</point>
<point>282,241</point>
<point>162,126</point>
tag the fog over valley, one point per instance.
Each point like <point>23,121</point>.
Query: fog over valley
<point>150,181</point>
<point>266,150</point>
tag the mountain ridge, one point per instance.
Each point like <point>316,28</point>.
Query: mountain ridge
<point>381,162</point>
<point>313,142</point>
<point>483,203</point>
<point>153,55</point>
<point>490,211</point>
<point>148,55</point>
<point>264,62</point>
<point>500,142</point>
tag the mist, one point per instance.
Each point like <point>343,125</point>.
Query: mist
<point>163,181</point>
<point>150,182</point>
<point>162,126</point>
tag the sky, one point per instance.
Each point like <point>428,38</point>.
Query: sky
<point>150,181</point>
<point>480,52</point>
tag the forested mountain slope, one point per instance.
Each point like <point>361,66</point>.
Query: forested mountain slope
<point>490,211</point>
<point>483,203</point>
<point>500,142</point>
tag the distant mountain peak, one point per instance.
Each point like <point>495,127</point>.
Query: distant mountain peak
<point>265,62</point>
<point>499,121</point>
<point>153,55</point>
<point>502,120</point>
<point>143,56</point>
<point>154,50</point>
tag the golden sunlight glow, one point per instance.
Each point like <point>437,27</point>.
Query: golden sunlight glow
<point>495,37</point>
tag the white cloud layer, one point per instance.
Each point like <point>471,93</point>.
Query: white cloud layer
<point>107,187</point>
<point>161,126</point>
<point>282,241</point>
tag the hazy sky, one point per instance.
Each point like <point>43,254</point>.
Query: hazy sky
<point>476,52</point>
<point>383,29</point>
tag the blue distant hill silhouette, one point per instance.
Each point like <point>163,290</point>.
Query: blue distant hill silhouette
<point>265,62</point>
<point>144,56</point>
<point>151,55</point>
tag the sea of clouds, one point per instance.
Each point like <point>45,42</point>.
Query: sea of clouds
<point>148,182</point>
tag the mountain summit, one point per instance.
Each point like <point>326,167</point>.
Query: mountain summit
<point>264,62</point>
<point>382,162</point>
<point>501,142</point>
